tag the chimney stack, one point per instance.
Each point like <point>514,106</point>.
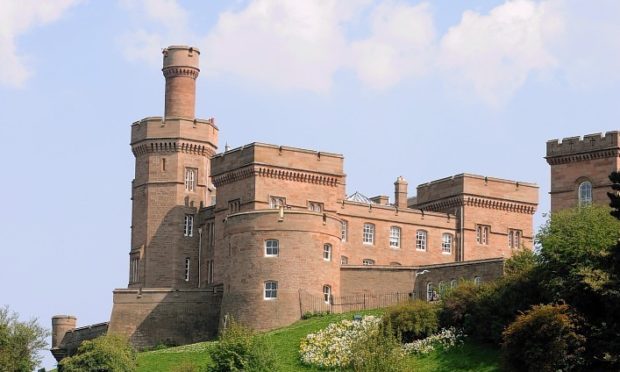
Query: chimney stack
<point>181,70</point>
<point>400,193</point>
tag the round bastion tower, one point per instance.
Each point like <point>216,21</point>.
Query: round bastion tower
<point>171,180</point>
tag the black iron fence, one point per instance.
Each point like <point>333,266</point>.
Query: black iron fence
<point>312,304</point>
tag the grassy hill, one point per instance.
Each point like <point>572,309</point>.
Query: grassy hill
<point>470,357</point>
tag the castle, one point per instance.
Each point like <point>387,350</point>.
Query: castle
<point>265,233</point>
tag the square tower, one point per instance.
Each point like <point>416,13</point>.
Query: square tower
<point>580,168</point>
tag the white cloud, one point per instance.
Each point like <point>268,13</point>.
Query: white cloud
<point>282,43</point>
<point>494,54</point>
<point>589,50</point>
<point>16,18</point>
<point>301,44</point>
<point>401,45</point>
<point>170,21</point>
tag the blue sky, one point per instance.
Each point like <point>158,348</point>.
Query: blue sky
<point>419,89</point>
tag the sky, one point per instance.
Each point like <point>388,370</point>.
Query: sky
<point>419,89</point>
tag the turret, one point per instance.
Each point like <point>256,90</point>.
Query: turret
<point>61,324</point>
<point>181,70</point>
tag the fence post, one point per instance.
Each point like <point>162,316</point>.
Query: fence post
<point>364,301</point>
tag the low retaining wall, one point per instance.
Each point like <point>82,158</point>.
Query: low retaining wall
<point>149,317</point>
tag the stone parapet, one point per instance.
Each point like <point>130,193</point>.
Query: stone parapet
<point>590,146</point>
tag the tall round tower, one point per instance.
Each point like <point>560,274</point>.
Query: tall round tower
<point>180,70</point>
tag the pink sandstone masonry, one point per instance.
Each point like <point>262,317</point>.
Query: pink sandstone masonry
<point>264,233</point>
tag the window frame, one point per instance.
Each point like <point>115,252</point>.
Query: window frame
<point>514,238</point>
<point>421,240</point>
<point>191,178</point>
<point>368,233</point>
<point>316,207</point>
<point>585,187</point>
<point>430,291</point>
<point>270,290</point>
<point>188,225</point>
<point>327,293</point>
<point>187,269</point>
<point>269,246</point>
<point>477,280</point>
<point>327,252</point>
<point>344,260</point>
<point>344,230</point>
<point>275,202</point>
<point>368,262</point>
<point>395,234</point>
<point>483,234</point>
<point>446,246</point>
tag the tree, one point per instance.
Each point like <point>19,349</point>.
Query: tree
<point>104,354</point>
<point>580,258</point>
<point>20,342</point>
<point>574,244</point>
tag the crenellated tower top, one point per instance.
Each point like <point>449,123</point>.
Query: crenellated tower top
<point>590,146</point>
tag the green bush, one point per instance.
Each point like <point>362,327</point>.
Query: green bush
<point>543,339</point>
<point>380,351</point>
<point>241,349</point>
<point>412,320</point>
<point>20,342</point>
<point>109,353</point>
<point>494,305</point>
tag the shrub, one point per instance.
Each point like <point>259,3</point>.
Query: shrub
<point>105,353</point>
<point>543,339</point>
<point>378,351</point>
<point>413,320</point>
<point>332,347</point>
<point>494,304</point>
<point>241,349</point>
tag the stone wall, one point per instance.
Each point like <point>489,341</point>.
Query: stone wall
<point>149,317</point>
<point>74,338</point>
<point>403,279</point>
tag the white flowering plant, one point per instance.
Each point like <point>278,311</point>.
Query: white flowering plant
<point>445,339</point>
<point>331,347</point>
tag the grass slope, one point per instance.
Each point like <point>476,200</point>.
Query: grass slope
<point>470,357</point>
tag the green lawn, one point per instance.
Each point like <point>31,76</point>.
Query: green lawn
<point>470,357</point>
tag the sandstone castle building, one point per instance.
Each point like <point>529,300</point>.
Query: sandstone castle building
<point>265,233</point>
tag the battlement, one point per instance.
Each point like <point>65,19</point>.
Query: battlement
<point>579,145</point>
<point>291,158</point>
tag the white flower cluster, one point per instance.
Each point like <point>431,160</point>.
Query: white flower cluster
<point>331,346</point>
<point>443,340</point>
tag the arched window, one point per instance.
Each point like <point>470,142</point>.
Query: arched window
<point>327,294</point>
<point>327,252</point>
<point>395,264</point>
<point>453,283</point>
<point>344,260</point>
<point>271,290</point>
<point>446,243</point>
<point>395,237</point>
<point>477,280</point>
<point>430,292</point>
<point>368,262</point>
<point>585,193</point>
<point>369,234</point>
<point>420,240</point>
